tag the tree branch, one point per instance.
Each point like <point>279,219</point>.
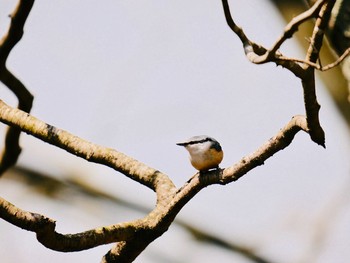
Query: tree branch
<point>45,185</point>
<point>293,26</point>
<point>320,28</point>
<point>120,162</point>
<point>136,235</point>
<point>304,71</point>
<point>312,107</point>
<point>15,32</point>
<point>12,148</point>
<point>165,216</point>
<point>45,229</point>
<point>256,53</point>
<point>317,66</point>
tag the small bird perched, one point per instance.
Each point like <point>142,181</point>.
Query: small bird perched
<point>205,152</point>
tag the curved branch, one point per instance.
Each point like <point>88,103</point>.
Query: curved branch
<point>12,148</point>
<point>224,176</point>
<point>44,185</point>
<point>23,219</point>
<point>120,162</point>
<point>45,229</point>
<point>133,236</point>
<point>304,72</point>
<point>163,217</point>
<point>255,53</point>
<point>260,50</point>
<point>15,32</point>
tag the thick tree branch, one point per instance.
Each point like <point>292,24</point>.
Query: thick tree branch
<point>45,229</point>
<point>130,167</point>
<point>312,107</point>
<point>66,189</point>
<point>12,148</point>
<point>135,235</point>
<point>199,181</point>
<point>23,219</point>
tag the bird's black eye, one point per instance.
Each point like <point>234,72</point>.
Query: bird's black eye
<point>216,146</point>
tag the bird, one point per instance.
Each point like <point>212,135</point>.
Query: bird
<point>205,152</point>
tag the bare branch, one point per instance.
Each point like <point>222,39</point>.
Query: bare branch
<point>255,53</point>
<point>46,185</point>
<point>23,219</point>
<point>12,149</point>
<point>337,62</point>
<point>45,229</point>
<point>316,65</point>
<point>312,107</point>
<point>304,72</point>
<point>138,234</point>
<point>260,50</point>
<point>319,31</point>
<point>132,168</point>
<point>294,24</point>
<point>258,54</point>
<point>15,32</point>
<point>280,141</point>
<point>123,251</point>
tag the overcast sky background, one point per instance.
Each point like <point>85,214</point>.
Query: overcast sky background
<point>138,76</point>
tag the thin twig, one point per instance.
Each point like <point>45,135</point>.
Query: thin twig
<point>320,28</point>
<point>318,66</point>
<point>304,71</point>
<point>256,53</point>
<point>294,24</point>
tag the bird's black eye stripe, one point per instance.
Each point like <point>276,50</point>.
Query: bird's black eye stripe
<point>200,141</point>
